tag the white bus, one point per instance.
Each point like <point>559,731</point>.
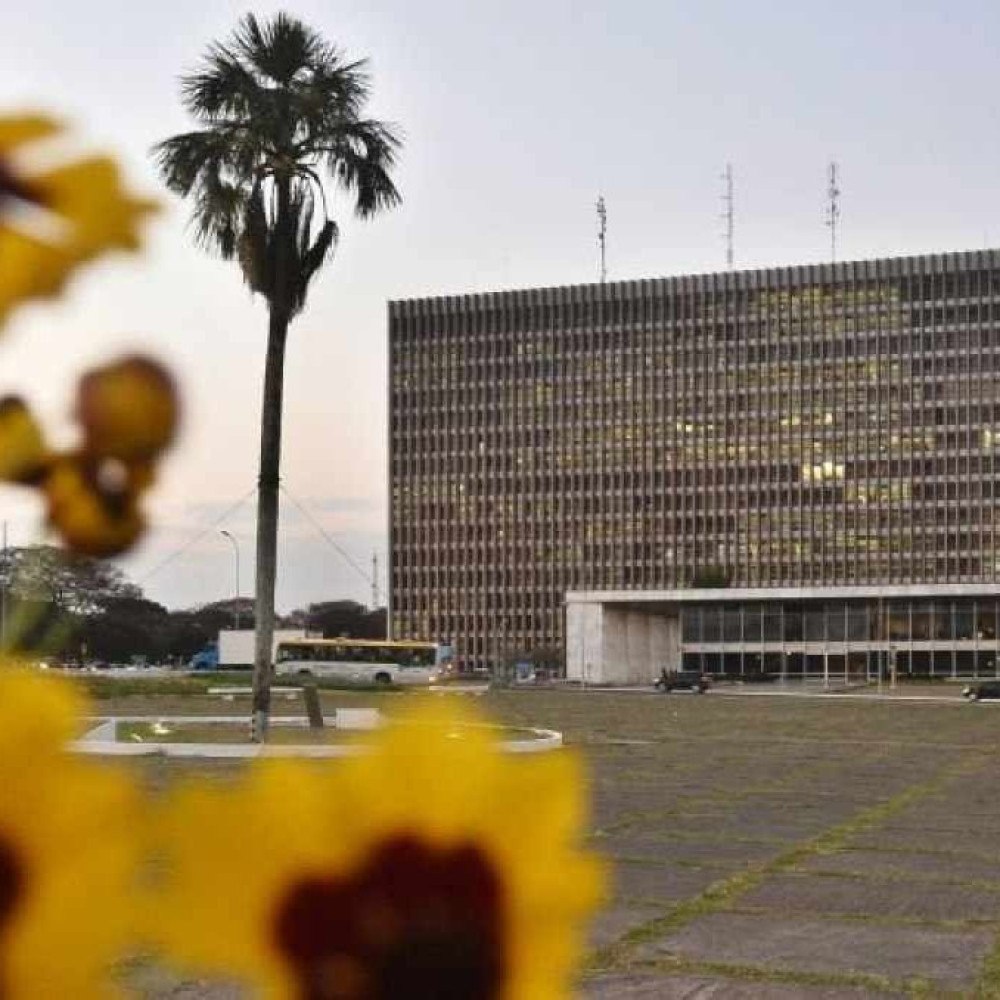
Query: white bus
<point>364,661</point>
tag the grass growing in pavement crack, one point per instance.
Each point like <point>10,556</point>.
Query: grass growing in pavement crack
<point>989,976</point>
<point>741,972</point>
<point>721,895</point>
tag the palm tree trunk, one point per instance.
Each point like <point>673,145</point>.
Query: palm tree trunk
<point>267,520</point>
<point>279,316</point>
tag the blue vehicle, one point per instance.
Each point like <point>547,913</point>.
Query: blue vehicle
<point>206,658</point>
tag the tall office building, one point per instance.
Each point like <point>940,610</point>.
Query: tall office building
<point>788,469</point>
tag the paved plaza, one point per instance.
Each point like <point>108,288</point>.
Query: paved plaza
<point>774,847</point>
<point>771,847</point>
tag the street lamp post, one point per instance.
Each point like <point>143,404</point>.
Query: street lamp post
<point>236,553</point>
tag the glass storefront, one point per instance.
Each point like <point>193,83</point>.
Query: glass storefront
<point>918,637</point>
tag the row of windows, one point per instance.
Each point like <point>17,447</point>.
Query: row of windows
<point>893,620</point>
<point>598,406</point>
<point>858,498</point>
<point>469,361</point>
<point>450,475</point>
<point>854,666</point>
<point>721,375</point>
<point>620,307</point>
<point>555,354</point>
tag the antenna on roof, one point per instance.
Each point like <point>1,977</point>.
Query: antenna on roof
<point>727,213</point>
<point>833,210</point>
<point>602,235</point>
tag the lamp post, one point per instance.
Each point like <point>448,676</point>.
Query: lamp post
<point>236,552</point>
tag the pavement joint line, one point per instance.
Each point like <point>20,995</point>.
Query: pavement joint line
<point>988,984</point>
<point>722,894</point>
<point>736,797</point>
<point>749,973</point>
<point>890,876</point>
<point>955,925</point>
<point>959,855</point>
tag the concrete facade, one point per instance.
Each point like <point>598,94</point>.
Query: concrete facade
<point>624,637</point>
<point>609,644</point>
<point>798,428</point>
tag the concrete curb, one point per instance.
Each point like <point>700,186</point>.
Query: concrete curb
<point>100,741</point>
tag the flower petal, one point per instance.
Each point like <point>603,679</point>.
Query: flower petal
<point>128,409</point>
<point>88,196</point>
<point>94,519</point>
<point>69,823</point>
<point>15,130</point>
<point>61,218</point>
<point>30,269</point>
<point>22,449</point>
<point>437,783</point>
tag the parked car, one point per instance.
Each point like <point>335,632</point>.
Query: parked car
<point>683,680</point>
<point>982,691</point>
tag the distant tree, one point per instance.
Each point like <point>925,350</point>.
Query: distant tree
<point>189,630</point>
<point>712,577</point>
<point>127,627</point>
<point>544,659</point>
<point>337,618</point>
<point>239,609</point>
<point>37,628</point>
<point>281,118</point>
<point>75,584</point>
<point>548,658</point>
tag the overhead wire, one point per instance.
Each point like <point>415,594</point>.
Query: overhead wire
<point>181,549</point>
<point>229,511</point>
<point>319,527</point>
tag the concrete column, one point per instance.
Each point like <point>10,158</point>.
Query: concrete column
<point>638,655</point>
<point>661,646</point>
<point>609,645</point>
<point>612,668</point>
<point>584,641</point>
<point>673,651</point>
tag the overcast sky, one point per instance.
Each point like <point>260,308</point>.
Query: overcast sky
<point>516,115</point>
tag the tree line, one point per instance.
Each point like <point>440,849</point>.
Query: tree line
<point>74,609</point>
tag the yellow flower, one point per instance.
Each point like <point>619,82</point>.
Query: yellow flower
<point>66,855</point>
<point>432,865</point>
<point>128,413</point>
<point>128,409</point>
<point>22,448</point>
<point>52,221</point>
<point>93,504</point>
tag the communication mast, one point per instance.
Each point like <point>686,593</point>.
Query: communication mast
<point>727,214</point>
<point>374,580</point>
<point>833,210</point>
<point>602,234</point>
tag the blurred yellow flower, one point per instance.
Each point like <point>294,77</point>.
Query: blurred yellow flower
<point>431,865</point>
<point>128,409</point>
<point>51,221</point>
<point>23,455</point>
<point>128,412</point>
<point>67,853</point>
<point>94,504</point>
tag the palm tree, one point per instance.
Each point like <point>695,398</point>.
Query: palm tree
<point>281,117</point>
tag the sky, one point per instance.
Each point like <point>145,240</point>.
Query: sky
<point>516,116</point>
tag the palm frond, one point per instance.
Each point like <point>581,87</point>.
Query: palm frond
<point>223,87</point>
<point>361,158</point>
<point>254,244</point>
<point>280,48</point>
<point>314,258</point>
<point>218,216</point>
<point>280,109</point>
